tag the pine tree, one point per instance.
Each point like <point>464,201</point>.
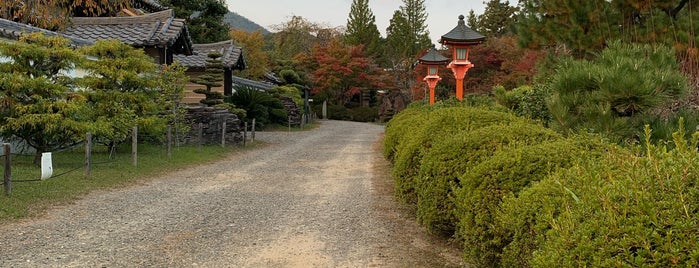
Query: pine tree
<point>361,28</point>
<point>38,105</point>
<point>212,78</point>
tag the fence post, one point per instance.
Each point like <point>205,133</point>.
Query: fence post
<point>253,129</point>
<point>169,141</point>
<point>8,168</point>
<point>88,155</point>
<point>245,133</point>
<point>201,136</point>
<point>223,135</point>
<point>134,145</point>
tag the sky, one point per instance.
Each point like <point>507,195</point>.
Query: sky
<point>442,15</point>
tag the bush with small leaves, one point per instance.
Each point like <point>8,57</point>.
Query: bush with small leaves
<point>481,189</point>
<point>621,210</point>
<point>441,123</point>
<point>455,155</point>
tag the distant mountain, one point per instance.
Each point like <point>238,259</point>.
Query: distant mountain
<point>237,21</point>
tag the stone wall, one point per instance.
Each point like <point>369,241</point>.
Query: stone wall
<point>212,119</point>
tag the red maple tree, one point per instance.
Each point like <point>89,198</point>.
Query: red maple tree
<point>341,72</point>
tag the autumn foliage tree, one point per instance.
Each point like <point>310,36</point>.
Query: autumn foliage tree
<point>341,72</point>
<point>53,14</point>
<point>256,59</point>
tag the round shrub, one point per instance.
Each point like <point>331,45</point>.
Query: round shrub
<point>338,112</point>
<point>620,211</point>
<point>454,155</point>
<point>507,171</point>
<point>364,114</point>
<point>441,123</point>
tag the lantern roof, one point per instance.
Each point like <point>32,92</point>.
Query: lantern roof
<point>462,35</point>
<point>433,57</point>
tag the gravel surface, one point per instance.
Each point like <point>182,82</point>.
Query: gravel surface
<point>319,198</point>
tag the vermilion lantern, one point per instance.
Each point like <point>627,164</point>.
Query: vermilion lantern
<point>460,40</point>
<point>432,59</point>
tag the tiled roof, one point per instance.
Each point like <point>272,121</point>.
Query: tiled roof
<point>160,29</point>
<point>251,83</point>
<point>232,56</point>
<point>13,30</point>
<point>461,34</point>
<point>433,57</point>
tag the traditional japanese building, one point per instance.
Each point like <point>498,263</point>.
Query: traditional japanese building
<point>159,34</point>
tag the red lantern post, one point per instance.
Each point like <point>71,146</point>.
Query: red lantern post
<point>460,40</point>
<point>432,59</point>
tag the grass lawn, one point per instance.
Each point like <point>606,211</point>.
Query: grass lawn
<point>69,182</point>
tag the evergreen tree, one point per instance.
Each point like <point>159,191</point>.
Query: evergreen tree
<point>497,19</point>
<point>361,28</point>
<point>212,78</point>
<point>122,83</point>
<point>406,37</point>
<point>415,14</point>
<point>204,18</point>
<point>582,26</point>
<point>37,104</point>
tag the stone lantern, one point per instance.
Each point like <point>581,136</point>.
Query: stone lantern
<point>460,40</point>
<point>432,59</point>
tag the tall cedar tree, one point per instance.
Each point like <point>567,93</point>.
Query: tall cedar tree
<point>361,28</point>
<point>204,18</point>
<point>256,59</point>
<point>212,78</point>
<point>406,37</point>
<point>53,14</point>
<point>37,104</point>
<point>497,19</point>
<point>341,72</point>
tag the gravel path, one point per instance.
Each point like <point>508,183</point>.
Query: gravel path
<point>316,198</point>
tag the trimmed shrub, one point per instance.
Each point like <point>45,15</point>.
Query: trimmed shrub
<point>507,172</point>
<point>407,121</point>
<point>455,155</point>
<point>364,114</point>
<point>441,123</point>
<point>620,211</point>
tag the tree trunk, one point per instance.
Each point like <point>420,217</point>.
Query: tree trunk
<point>37,157</point>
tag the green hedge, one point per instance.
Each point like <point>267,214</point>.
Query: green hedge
<point>454,155</point>
<point>522,196</point>
<point>620,211</point>
<point>440,123</point>
<point>507,171</point>
<point>407,121</point>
